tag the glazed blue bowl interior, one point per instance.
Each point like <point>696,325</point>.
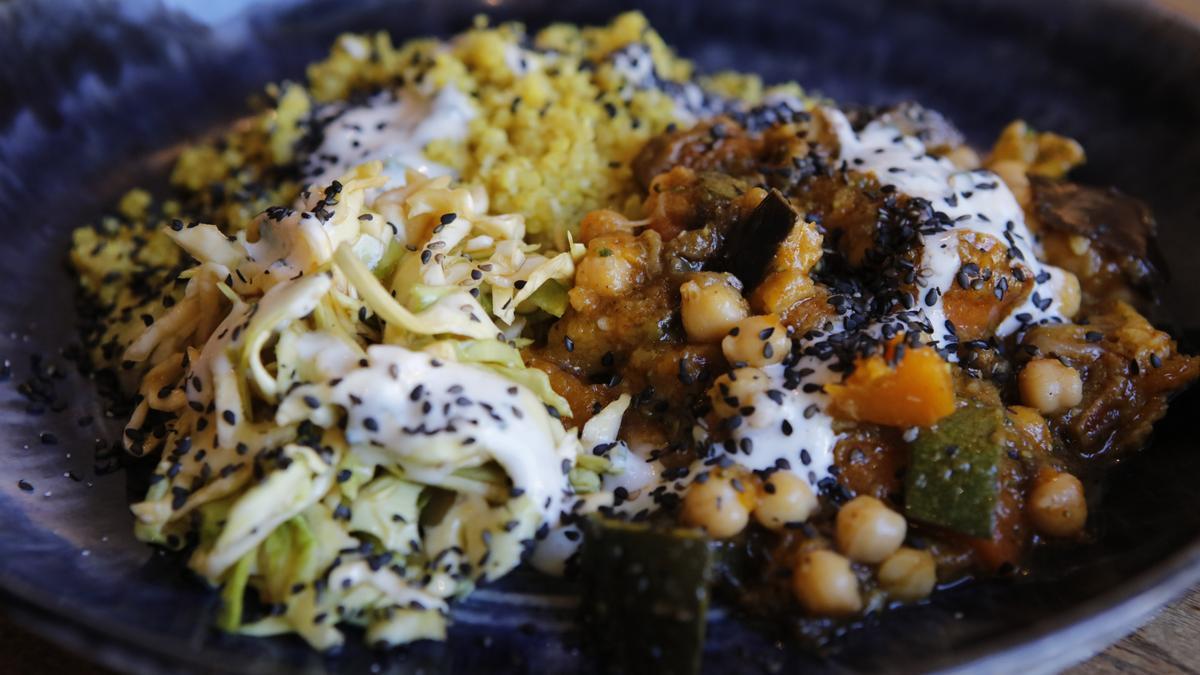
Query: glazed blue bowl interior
<point>94,97</point>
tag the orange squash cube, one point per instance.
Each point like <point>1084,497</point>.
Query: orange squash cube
<point>915,390</point>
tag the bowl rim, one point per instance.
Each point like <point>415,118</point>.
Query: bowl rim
<point>1049,645</point>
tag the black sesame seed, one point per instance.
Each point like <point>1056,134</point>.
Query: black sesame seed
<point>931,297</point>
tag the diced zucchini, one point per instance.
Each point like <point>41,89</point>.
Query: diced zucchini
<point>646,594</point>
<point>954,474</point>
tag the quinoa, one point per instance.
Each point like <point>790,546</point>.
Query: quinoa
<point>557,124</point>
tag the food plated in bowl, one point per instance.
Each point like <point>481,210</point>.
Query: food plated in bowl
<point>653,248</point>
<point>461,303</point>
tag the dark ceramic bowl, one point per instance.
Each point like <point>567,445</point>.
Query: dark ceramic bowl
<point>94,96</point>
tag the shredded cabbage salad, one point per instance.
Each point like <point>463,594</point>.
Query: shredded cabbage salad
<point>351,435</point>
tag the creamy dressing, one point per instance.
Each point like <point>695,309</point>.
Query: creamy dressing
<point>975,201</point>
<point>392,127</point>
<point>635,64</point>
<point>522,61</point>
<point>553,550</point>
<point>643,484</point>
<point>324,355</point>
<point>791,432</point>
<point>434,417</point>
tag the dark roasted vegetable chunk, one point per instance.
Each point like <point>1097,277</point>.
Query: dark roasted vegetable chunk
<point>748,254</point>
<point>1121,228</point>
<point>646,594</point>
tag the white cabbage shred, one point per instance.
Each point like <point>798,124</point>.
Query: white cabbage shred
<point>351,431</point>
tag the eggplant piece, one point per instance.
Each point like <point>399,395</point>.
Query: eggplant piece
<point>1121,227</point>
<point>646,591</point>
<point>719,144</point>
<point>953,478</point>
<point>750,248</point>
<point>660,154</point>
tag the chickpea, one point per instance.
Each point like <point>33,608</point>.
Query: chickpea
<point>1057,506</point>
<point>908,574</point>
<point>757,341</point>
<point>604,270</point>
<point>1012,172</point>
<point>868,531</point>
<point>601,222</point>
<point>716,506</point>
<point>736,390</point>
<point>1030,425</point>
<point>1049,386</point>
<point>711,305</point>
<point>787,499</point>
<point>825,585</point>
<point>1070,295</point>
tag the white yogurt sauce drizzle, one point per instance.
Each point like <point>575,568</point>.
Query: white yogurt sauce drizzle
<point>635,63</point>
<point>393,127</point>
<point>974,201</point>
<point>789,429</point>
<point>413,409</point>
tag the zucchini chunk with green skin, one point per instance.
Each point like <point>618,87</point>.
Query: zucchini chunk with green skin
<point>645,595</point>
<point>953,476</point>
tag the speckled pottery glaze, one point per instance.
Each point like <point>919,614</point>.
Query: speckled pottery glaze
<point>94,96</point>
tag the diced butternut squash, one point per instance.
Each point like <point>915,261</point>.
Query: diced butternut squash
<point>991,291</point>
<point>915,390</point>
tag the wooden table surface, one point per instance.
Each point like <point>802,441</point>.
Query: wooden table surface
<point>1166,645</point>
